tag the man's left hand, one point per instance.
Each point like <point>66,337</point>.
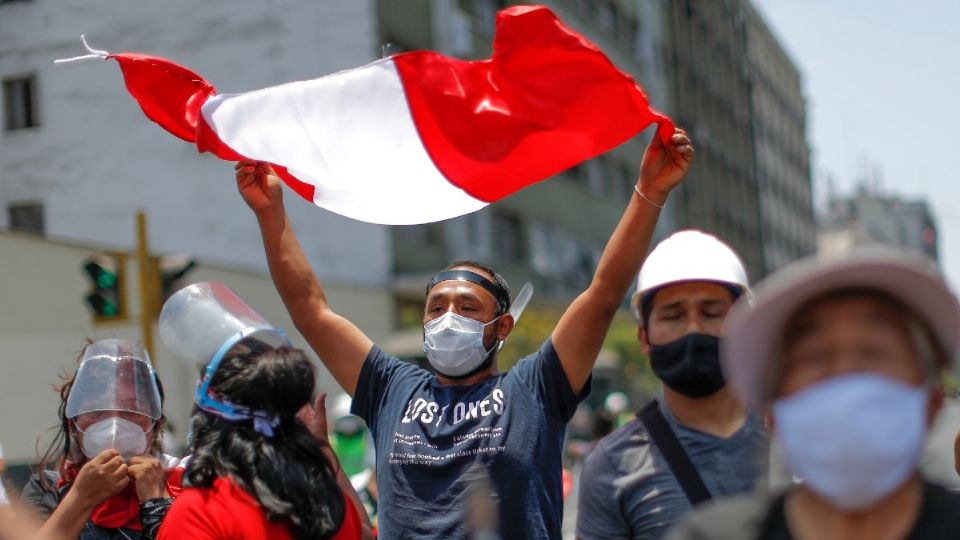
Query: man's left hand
<point>664,165</point>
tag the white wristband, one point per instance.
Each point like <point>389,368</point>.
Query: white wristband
<point>642,196</point>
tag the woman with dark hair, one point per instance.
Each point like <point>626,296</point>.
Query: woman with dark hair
<point>104,476</point>
<point>258,471</point>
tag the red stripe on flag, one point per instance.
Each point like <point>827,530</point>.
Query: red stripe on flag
<point>546,100</point>
<point>302,188</point>
<point>169,94</point>
<point>172,95</point>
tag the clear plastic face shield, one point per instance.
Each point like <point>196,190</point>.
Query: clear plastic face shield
<point>114,401</point>
<point>114,376</point>
<point>200,324</point>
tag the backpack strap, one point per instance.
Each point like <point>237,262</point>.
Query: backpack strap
<point>671,449</point>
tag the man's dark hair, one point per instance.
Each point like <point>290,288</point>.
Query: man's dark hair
<point>499,284</point>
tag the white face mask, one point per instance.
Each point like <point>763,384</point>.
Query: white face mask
<point>454,344</point>
<point>121,435</point>
<point>854,438</point>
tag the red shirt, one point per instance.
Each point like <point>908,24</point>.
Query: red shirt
<point>227,512</point>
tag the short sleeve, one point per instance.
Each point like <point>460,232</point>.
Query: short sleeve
<point>379,373</point>
<point>3,495</point>
<point>191,518</point>
<point>543,373</point>
<point>599,509</point>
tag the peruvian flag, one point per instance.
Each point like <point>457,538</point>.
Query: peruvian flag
<point>416,137</point>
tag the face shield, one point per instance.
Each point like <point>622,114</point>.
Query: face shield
<point>114,375</point>
<point>201,323</point>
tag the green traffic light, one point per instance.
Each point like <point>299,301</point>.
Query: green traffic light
<point>107,280</point>
<point>104,273</point>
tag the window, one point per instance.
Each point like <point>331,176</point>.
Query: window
<point>19,103</point>
<point>26,217</point>
<point>485,15</point>
<point>508,239</point>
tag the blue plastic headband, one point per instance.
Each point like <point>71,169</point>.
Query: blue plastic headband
<point>262,422</point>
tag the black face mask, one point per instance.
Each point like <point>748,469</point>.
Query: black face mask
<point>689,365</point>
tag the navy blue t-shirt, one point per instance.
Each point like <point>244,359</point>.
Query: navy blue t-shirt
<point>428,435</point>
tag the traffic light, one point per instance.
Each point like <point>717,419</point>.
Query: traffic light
<point>106,274</point>
<point>171,269</point>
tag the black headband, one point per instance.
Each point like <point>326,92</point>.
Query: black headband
<point>502,298</point>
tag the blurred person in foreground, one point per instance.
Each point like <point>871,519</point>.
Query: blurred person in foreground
<point>431,429</point>
<point>699,441</point>
<point>104,475</point>
<point>847,357</point>
<point>19,525</point>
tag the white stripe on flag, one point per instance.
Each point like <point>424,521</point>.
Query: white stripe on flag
<point>349,134</point>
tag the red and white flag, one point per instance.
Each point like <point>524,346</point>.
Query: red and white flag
<point>416,137</point>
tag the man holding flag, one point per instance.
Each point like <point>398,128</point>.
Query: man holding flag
<point>429,429</point>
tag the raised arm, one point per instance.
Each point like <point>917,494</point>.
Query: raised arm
<point>341,346</point>
<point>580,332</point>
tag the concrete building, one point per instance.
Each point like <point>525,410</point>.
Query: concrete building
<point>77,151</point>
<point>788,228</point>
<point>78,159</point>
<point>705,54</point>
<point>734,88</point>
<point>869,217</point>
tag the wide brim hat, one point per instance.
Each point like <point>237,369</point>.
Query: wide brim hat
<point>752,334</point>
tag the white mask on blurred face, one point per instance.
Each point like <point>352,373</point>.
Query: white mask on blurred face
<point>115,433</point>
<point>853,439</point>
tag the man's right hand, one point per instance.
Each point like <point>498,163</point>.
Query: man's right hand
<point>259,185</point>
<point>101,478</point>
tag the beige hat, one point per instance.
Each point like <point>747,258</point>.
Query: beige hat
<point>752,333</point>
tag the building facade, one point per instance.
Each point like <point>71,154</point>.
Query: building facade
<point>78,155</point>
<point>734,88</point>
<point>788,228</point>
<point>709,94</point>
<point>78,159</point>
<point>869,217</point>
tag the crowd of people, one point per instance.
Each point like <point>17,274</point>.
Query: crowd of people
<point>840,361</point>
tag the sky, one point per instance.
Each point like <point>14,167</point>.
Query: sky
<point>882,81</point>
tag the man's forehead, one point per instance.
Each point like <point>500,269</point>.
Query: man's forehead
<point>691,292</point>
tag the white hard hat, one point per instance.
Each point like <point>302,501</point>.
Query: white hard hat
<point>688,255</point>
<point>749,351</point>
